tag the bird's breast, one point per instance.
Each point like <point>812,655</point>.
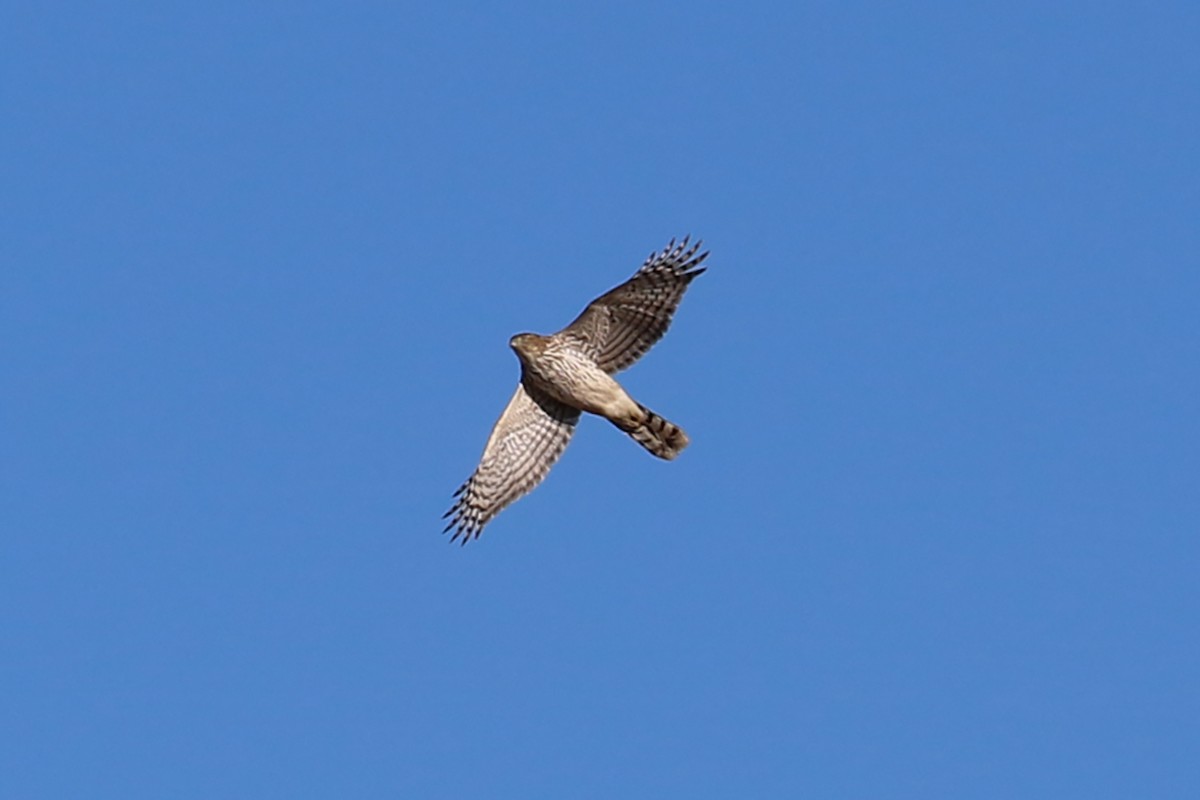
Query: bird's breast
<point>573,378</point>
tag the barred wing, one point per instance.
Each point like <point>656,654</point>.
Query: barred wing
<point>528,438</point>
<point>618,327</point>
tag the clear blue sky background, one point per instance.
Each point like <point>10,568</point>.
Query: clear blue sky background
<point>937,532</point>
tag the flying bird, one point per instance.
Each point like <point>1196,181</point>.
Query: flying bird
<point>569,372</point>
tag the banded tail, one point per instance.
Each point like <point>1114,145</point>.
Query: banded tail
<point>661,437</point>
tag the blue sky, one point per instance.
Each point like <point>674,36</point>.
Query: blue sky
<point>936,535</point>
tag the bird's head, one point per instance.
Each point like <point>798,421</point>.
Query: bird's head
<point>524,344</point>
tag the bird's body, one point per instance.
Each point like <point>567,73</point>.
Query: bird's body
<point>568,375</point>
<point>570,372</point>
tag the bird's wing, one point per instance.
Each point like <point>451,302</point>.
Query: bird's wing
<point>617,328</point>
<point>528,438</point>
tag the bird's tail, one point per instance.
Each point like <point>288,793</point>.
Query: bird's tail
<point>661,437</point>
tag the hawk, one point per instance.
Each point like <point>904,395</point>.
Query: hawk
<point>569,372</point>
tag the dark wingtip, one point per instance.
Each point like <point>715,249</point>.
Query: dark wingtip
<point>461,529</point>
<point>463,535</point>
